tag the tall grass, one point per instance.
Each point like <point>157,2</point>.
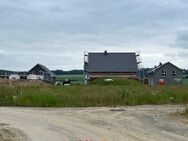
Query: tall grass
<point>92,95</point>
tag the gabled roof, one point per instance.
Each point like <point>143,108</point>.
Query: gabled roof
<point>44,68</point>
<point>159,66</point>
<point>111,62</point>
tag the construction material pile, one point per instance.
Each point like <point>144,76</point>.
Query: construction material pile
<point>7,82</point>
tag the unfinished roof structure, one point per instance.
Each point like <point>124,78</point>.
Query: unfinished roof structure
<point>110,64</point>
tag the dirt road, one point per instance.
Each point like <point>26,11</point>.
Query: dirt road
<point>140,123</point>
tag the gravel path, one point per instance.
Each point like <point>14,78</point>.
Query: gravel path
<point>139,123</point>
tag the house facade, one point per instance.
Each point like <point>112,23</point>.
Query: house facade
<point>110,65</point>
<point>14,76</point>
<point>40,72</point>
<point>165,74</point>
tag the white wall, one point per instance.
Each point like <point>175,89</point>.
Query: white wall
<point>14,77</point>
<point>35,77</point>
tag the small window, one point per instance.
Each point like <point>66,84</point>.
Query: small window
<point>173,73</point>
<point>42,73</point>
<point>164,72</point>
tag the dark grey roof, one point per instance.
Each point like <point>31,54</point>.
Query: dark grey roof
<point>159,66</point>
<point>44,68</point>
<point>111,62</point>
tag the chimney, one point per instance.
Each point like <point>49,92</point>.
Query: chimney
<point>105,52</point>
<point>86,58</point>
<point>160,64</point>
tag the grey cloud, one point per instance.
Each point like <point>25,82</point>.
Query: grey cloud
<point>181,40</point>
<point>183,54</point>
<point>42,28</point>
<point>179,54</point>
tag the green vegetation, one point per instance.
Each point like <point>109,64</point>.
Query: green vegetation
<point>71,72</point>
<point>79,79</point>
<point>75,79</point>
<point>116,81</point>
<point>71,77</point>
<point>118,93</point>
<point>185,81</point>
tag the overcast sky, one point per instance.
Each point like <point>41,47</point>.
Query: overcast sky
<point>57,32</point>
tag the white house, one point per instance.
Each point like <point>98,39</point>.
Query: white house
<point>14,77</point>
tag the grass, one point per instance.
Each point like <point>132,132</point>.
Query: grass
<point>75,79</point>
<point>71,77</point>
<point>185,81</point>
<point>79,79</point>
<point>121,94</point>
<point>115,82</point>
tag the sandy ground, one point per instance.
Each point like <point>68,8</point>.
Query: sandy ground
<point>11,134</point>
<point>140,123</point>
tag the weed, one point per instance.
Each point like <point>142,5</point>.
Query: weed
<point>92,95</point>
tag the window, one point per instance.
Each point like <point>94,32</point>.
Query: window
<point>173,73</point>
<point>40,73</point>
<point>164,72</point>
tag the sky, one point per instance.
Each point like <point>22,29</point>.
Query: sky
<point>57,32</point>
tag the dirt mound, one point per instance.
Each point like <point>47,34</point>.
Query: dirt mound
<point>7,82</point>
<point>11,134</point>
